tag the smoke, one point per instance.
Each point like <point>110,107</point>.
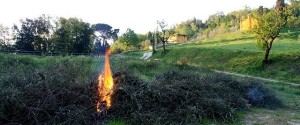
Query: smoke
<point>262,97</point>
<point>255,94</point>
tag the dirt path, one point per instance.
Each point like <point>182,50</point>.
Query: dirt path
<point>254,77</point>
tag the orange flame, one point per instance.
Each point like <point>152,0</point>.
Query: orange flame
<point>105,86</point>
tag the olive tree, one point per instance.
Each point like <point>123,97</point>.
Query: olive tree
<point>270,24</point>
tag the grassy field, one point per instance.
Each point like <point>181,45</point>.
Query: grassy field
<point>245,41</point>
<point>237,52</point>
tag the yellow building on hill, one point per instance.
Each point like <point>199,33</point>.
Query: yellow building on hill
<point>248,23</point>
<point>178,38</point>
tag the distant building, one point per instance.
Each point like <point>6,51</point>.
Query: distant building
<point>177,38</point>
<point>248,23</point>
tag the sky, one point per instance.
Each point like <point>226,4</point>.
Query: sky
<point>139,15</point>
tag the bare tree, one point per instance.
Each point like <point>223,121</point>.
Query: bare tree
<point>164,34</point>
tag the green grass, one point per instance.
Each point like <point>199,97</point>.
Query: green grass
<point>236,61</point>
<point>135,54</point>
<point>245,41</point>
<point>116,122</point>
<point>237,52</point>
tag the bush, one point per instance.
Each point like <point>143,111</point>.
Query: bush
<point>210,33</point>
<point>119,47</point>
<point>145,45</point>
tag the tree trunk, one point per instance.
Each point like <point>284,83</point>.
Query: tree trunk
<point>266,56</point>
<point>267,52</point>
<point>279,5</point>
<point>153,47</point>
<point>164,46</point>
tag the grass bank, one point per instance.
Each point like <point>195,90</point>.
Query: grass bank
<point>237,52</point>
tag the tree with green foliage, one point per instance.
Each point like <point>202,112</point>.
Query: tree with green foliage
<point>25,36</point>
<point>128,41</point>
<point>33,34</point>
<point>3,37</point>
<point>215,20</point>
<point>60,39</point>
<point>190,27</point>
<point>294,10</point>
<point>141,37</point>
<point>270,23</point>
<point>129,38</point>
<point>73,35</point>
<point>105,32</point>
<point>187,28</point>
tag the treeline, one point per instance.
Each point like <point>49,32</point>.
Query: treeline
<point>197,29</point>
<point>219,22</point>
<point>73,35</point>
<point>62,35</point>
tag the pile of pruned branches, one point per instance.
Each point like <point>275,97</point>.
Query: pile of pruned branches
<point>63,94</point>
<point>177,97</point>
<point>59,94</point>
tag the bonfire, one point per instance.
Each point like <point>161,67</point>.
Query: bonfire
<point>105,86</point>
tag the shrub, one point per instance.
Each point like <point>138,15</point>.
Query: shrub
<point>145,45</point>
<point>119,47</point>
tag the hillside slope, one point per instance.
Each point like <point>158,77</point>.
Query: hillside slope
<point>237,52</point>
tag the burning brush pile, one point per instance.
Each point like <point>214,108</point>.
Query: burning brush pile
<point>62,94</point>
<point>177,97</point>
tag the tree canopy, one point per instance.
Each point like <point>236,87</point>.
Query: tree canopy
<point>106,32</point>
<point>189,27</point>
<point>33,34</point>
<point>73,35</point>
<point>129,38</point>
<point>4,32</point>
<point>270,24</point>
